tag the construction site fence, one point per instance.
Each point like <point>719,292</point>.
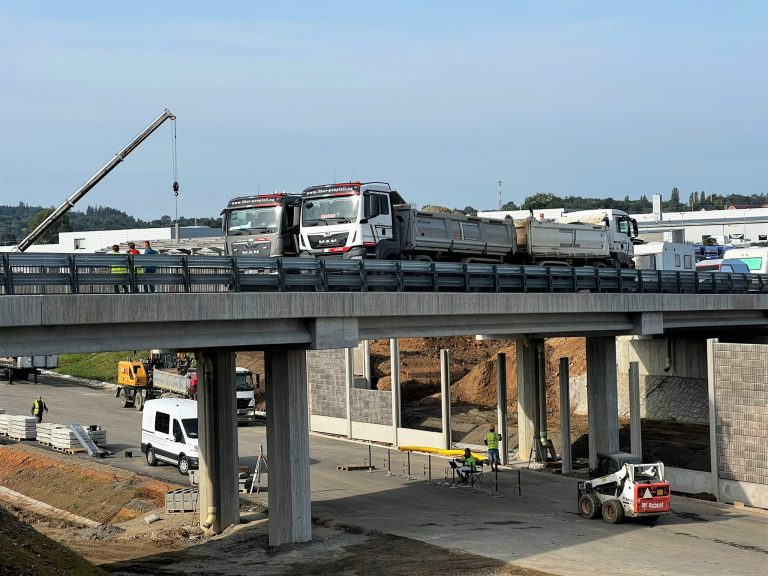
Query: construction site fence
<point>123,273</point>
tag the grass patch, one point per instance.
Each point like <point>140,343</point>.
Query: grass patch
<point>101,366</point>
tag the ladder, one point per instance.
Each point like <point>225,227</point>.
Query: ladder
<point>90,446</point>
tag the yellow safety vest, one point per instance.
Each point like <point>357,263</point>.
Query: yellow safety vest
<point>492,440</point>
<point>38,407</point>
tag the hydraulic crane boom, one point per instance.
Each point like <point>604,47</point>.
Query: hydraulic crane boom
<point>95,179</point>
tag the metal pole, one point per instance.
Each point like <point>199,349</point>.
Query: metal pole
<point>389,462</point>
<point>445,389</point>
<point>501,400</point>
<point>409,464</point>
<point>635,428</point>
<point>370,462</point>
<point>565,418</point>
<point>92,181</point>
<point>429,463</point>
<point>519,485</point>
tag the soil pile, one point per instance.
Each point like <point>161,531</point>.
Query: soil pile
<point>103,494</point>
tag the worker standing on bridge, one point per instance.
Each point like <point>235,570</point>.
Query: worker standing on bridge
<point>119,270</point>
<point>492,441</point>
<point>149,269</point>
<point>37,408</point>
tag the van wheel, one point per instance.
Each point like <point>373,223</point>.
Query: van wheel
<point>183,465</point>
<point>138,403</point>
<point>151,458</point>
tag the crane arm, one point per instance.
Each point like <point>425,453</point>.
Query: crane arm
<point>92,181</point>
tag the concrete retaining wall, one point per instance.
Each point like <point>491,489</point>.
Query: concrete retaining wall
<point>327,383</point>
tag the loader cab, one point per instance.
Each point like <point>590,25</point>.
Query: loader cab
<point>611,462</point>
<point>131,373</point>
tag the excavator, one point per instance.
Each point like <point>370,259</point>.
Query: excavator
<point>622,487</point>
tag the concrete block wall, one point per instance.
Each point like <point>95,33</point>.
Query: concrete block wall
<point>740,374</point>
<point>326,381</point>
<point>372,406</point>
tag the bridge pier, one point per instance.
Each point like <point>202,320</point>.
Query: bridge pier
<point>602,396</point>
<point>526,397</point>
<point>290,519</point>
<point>217,439</point>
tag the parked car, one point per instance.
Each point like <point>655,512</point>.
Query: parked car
<point>169,433</point>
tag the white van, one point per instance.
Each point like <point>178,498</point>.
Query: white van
<point>756,258</point>
<point>169,433</point>
<point>665,256</point>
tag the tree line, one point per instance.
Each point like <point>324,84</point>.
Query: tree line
<point>18,221</point>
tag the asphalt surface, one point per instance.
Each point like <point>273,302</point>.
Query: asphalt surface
<point>539,530</point>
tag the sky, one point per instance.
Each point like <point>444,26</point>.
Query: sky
<point>440,98</point>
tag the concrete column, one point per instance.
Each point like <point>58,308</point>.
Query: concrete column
<point>602,396</point>
<point>635,430</point>
<point>445,394</point>
<point>714,464</point>
<point>217,441</point>
<point>565,418</point>
<point>290,518</point>
<point>501,401</point>
<point>349,358</point>
<point>526,397</point>
<point>541,399</point>
<point>394,361</point>
<point>367,362</point>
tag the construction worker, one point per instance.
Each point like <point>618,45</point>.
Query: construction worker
<point>37,408</point>
<point>119,270</point>
<point>492,441</point>
<point>468,465</point>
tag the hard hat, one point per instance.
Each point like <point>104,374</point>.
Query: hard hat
<point>493,427</point>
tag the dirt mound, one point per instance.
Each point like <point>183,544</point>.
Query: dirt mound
<point>97,492</point>
<point>26,552</point>
<point>479,386</point>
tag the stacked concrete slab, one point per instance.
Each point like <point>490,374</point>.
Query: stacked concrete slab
<point>4,424</point>
<point>62,438</point>
<point>22,427</point>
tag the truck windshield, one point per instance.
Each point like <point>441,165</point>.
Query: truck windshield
<point>262,220</point>
<point>190,427</point>
<point>243,382</point>
<point>332,210</point>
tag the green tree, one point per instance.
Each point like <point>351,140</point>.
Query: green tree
<point>50,236</point>
<point>509,206</point>
<point>674,200</point>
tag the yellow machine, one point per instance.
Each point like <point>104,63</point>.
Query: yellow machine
<point>131,383</point>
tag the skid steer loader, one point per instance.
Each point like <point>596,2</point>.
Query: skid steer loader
<point>621,486</point>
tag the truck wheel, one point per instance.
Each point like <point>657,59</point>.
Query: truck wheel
<point>151,458</point>
<point>613,511</point>
<point>138,403</point>
<point>183,465</point>
<point>589,506</point>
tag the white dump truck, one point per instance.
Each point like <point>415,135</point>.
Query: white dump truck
<point>24,366</point>
<point>358,220</point>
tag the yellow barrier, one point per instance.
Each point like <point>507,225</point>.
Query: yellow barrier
<point>441,451</point>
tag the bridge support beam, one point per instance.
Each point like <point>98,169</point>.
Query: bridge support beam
<point>526,397</point>
<point>217,424</point>
<point>394,361</point>
<point>445,395</point>
<point>290,519</point>
<point>501,406</point>
<point>602,397</point>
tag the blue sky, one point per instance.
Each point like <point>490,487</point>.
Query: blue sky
<point>440,98</point>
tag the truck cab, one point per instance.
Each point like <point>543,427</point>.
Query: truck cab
<point>246,400</point>
<point>346,220</point>
<point>264,225</point>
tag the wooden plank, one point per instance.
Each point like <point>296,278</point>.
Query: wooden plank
<point>351,467</point>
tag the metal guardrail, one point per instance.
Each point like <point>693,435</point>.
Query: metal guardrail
<point>123,273</point>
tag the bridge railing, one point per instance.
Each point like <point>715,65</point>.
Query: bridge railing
<point>163,273</point>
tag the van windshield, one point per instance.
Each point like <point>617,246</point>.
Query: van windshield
<point>190,427</point>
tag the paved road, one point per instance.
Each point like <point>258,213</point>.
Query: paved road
<point>541,530</point>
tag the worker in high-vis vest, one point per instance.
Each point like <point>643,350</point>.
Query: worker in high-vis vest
<point>492,441</point>
<point>38,407</point>
<point>122,270</point>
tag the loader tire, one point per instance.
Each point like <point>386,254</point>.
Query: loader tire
<point>613,511</point>
<point>589,506</point>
